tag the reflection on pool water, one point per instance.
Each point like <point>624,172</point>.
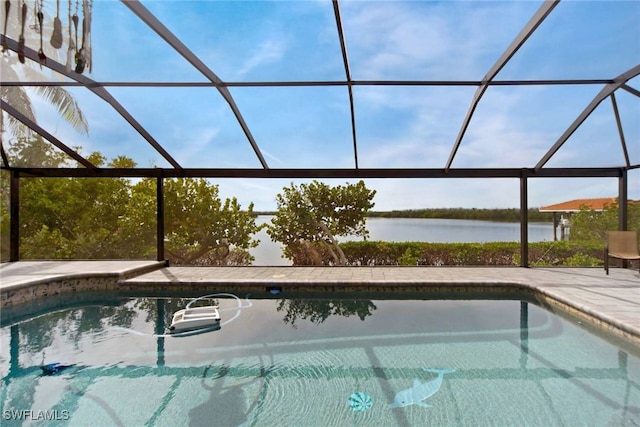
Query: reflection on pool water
<point>313,362</point>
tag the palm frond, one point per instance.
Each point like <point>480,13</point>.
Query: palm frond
<point>18,98</point>
<point>66,106</point>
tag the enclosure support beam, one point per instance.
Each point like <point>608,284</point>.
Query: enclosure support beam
<point>321,83</point>
<point>623,203</point>
<point>345,59</point>
<point>99,91</point>
<point>524,223</point>
<point>601,96</point>
<point>160,218</point>
<point>46,135</point>
<point>526,32</point>
<point>622,206</point>
<point>156,25</point>
<point>367,173</point>
<point>14,217</point>
<point>623,142</point>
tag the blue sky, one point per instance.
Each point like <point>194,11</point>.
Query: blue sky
<point>303,127</point>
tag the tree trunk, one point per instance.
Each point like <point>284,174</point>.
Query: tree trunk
<point>221,251</point>
<point>341,259</point>
<point>331,251</point>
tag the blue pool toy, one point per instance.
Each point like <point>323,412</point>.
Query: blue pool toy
<point>54,368</point>
<point>360,401</point>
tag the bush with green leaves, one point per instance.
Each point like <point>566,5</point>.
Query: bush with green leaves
<point>372,253</point>
<point>310,216</point>
<point>591,225</point>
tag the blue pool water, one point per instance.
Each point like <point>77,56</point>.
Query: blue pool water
<point>304,361</point>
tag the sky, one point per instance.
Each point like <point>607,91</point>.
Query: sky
<point>397,126</point>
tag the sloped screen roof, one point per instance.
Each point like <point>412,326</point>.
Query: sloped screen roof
<point>340,89</point>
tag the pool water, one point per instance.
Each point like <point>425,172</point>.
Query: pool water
<point>304,361</point>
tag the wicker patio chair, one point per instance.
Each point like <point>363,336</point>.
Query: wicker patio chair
<point>622,245</point>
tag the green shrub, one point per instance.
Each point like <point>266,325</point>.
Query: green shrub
<point>582,260</point>
<point>559,253</point>
<point>409,257</point>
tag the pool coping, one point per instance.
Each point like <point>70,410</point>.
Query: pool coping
<point>579,300</point>
<point>101,275</point>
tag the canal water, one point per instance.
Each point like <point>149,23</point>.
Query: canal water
<point>417,230</point>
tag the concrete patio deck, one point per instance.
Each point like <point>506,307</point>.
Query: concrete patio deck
<point>610,302</point>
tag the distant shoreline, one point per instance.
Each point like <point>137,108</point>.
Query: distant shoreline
<point>502,215</point>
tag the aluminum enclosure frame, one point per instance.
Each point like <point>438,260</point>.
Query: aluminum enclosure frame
<point>610,86</point>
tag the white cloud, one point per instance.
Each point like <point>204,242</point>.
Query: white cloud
<point>438,193</point>
<point>426,122</point>
<point>270,156</point>
<point>428,40</point>
<point>496,142</point>
<point>196,144</point>
<point>268,52</point>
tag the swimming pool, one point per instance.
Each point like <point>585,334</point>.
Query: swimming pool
<point>302,360</point>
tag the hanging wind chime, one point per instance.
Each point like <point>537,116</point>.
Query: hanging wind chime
<point>79,55</point>
<point>40,29</point>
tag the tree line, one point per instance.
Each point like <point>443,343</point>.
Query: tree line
<point>502,215</point>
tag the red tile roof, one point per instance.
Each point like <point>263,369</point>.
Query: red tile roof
<point>576,205</point>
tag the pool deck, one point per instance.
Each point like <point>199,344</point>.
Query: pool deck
<point>613,301</point>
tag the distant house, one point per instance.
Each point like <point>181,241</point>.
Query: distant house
<point>565,209</point>
<point>577,204</point>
